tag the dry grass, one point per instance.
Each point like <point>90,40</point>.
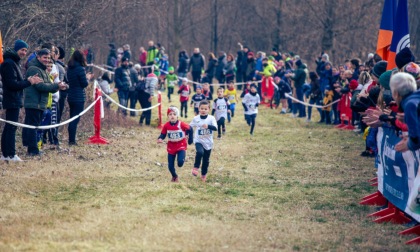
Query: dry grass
<point>293,186</point>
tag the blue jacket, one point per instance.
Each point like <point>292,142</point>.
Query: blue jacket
<point>411,108</point>
<point>76,76</point>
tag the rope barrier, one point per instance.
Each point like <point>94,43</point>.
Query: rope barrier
<point>311,105</point>
<point>129,109</point>
<point>53,125</point>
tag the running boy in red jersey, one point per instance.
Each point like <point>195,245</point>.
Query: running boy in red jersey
<point>178,132</point>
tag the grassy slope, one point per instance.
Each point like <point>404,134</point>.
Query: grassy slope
<point>293,186</point>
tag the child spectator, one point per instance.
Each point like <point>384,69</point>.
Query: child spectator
<point>250,103</point>
<point>221,109</point>
<point>184,92</point>
<point>197,98</point>
<point>230,94</point>
<point>178,132</point>
<point>328,98</point>
<point>171,80</point>
<point>163,67</point>
<point>203,125</point>
<point>105,85</point>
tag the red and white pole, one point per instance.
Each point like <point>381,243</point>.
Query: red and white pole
<point>159,110</point>
<point>97,139</point>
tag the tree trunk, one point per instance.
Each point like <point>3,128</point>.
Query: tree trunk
<point>327,42</point>
<point>214,30</point>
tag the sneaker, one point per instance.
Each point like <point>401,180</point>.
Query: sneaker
<point>186,115</point>
<point>15,159</point>
<point>282,112</point>
<point>175,179</point>
<point>308,120</point>
<point>203,178</point>
<point>4,158</point>
<point>194,171</point>
<point>73,143</point>
<point>223,131</point>
<point>219,137</point>
<point>293,115</point>
<point>36,154</point>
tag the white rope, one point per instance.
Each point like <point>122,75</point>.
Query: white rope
<point>53,125</point>
<point>129,109</point>
<point>101,68</point>
<point>311,105</point>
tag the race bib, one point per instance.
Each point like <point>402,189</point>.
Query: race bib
<point>185,93</point>
<point>231,97</point>
<point>175,136</point>
<point>221,107</point>
<point>251,106</point>
<point>205,132</point>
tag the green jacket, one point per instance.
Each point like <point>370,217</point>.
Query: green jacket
<point>152,53</point>
<point>36,96</point>
<point>300,76</point>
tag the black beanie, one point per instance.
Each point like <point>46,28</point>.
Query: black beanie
<point>298,63</point>
<point>404,57</point>
<point>379,68</point>
<point>62,52</point>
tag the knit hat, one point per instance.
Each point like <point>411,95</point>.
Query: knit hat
<point>157,59</point>
<point>137,67</point>
<point>384,79</point>
<point>379,68</point>
<point>325,56</point>
<point>173,109</point>
<point>124,59</point>
<point>253,85</point>
<point>413,69</point>
<point>270,57</point>
<point>171,68</point>
<point>274,49</point>
<point>298,63</point>
<point>277,79</point>
<point>199,87</point>
<point>19,44</point>
<point>353,84</point>
<point>251,54</point>
<point>404,57</point>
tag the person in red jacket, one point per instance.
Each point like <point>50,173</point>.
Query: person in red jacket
<point>184,95</point>
<point>178,132</point>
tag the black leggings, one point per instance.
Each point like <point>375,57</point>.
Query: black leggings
<point>220,125</point>
<point>184,106</point>
<point>180,155</point>
<point>250,119</point>
<point>204,154</point>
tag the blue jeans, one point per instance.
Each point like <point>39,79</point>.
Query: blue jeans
<point>297,107</point>
<point>8,137</point>
<point>313,101</point>
<point>123,98</point>
<point>180,156</point>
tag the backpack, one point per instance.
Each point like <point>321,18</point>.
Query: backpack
<point>141,86</point>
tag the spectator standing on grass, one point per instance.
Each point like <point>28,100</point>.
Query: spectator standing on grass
<point>36,98</point>
<point>221,63</point>
<point>196,66</point>
<point>78,81</point>
<point>132,92</point>
<point>183,62</point>
<point>127,51</point>
<point>123,83</point>
<point>146,97</point>
<point>63,77</point>
<point>229,69</point>
<point>315,95</point>
<point>13,84</point>
<point>211,69</point>
<point>112,60</point>
<point>152,53</point>
<point>105,85</point>
<point>142,56</point>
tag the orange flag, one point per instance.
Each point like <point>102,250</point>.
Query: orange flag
<point>1,49</point>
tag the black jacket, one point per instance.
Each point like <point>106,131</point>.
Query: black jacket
<point>196,62</point>
<point>221,63</point>
<point>183,64</point>
<point>122,78</point>
<point>211,67</point>
<point>13,81</point>
<point>76,76</point>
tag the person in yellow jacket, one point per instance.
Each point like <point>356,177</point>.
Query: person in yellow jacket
<point>230,94</point>
<point>266,88</point>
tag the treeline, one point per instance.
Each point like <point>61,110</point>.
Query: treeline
<point>343,28</point>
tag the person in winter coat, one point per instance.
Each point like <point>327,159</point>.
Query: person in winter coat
<point>146,97</point>
<point>405,93</point>
<point>105,85</point>
<point>132,92</point>
<point>196,66</point>
<point>221,63</point>
<point>127,51</point>
<point>229,69</point>
<point>123,83</point>
<point>142,56</point>
<point>183,62</point>
<point>36,98</point>
<point>315,95</point>
<point>211,69</point>
<point>241,64</point>
<point>250,66</point>
<point>78,81</point>
<point>12,87</point>
<point>152,53</point>
<point>299,77</point>
<point>112,60</point>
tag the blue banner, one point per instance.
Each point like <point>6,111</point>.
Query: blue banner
<point>397,173</point>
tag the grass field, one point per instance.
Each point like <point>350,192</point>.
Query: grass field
<point>293,186</point>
